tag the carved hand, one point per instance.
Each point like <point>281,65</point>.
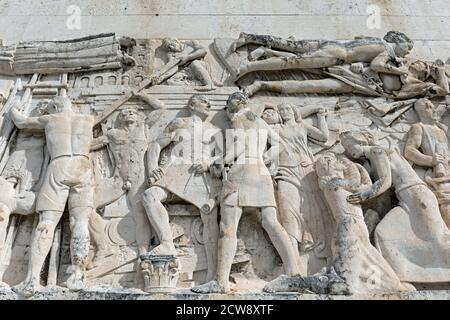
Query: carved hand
<point>126,186</point>
<point>437,159</point>
<point>200,167</point>
<point>357,67</point>
<point>156,175</point>
<point>267,159</point>
<point>355,198</point>
<point>257,53</point>
<point>217,167</point>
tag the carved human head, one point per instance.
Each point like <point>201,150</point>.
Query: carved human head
<point>173,45</point>
<point>420,70</point>
<point>128,116</point>
<point>287,112</point>
<point>403,44</point>
<point>199,104</point>
<point>271,116</point>
<point>59,104</point>
<point>237,101</point>
<point>424,109</point>
<point>353,142</point>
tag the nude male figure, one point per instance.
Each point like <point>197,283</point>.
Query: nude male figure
<point>427,146</point>
<point>322,54</point>
<point>68,178</point>
<point>128,144</point>
<point>191,54</point>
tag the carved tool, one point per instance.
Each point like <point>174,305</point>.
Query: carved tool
<point>100,272</point>
<point>156,78</point>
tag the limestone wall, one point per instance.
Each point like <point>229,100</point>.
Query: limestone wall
<point>425,21</point>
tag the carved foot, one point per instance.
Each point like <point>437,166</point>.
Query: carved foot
<point>218,84</point>
<point>166,248</point>
<point>3,285</point>
<point>27,288</point>
<point>257,53</point>
<point>205,88</point>
<point>210,287</point>
<point>280,284</point>
<point>253,88</point>
<point>238,43</point>
<point>76,281</point>
<point>243,70</point>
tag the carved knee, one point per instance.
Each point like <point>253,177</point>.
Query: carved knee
<point>80,249</point>
<point>151,195</point>
<point>269,221</point>
<point>227,231</point>
<point>196,64</point>
<point>79,260</point>
<point>147,195</point>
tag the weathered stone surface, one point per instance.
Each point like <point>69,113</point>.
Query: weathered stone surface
<point>237,150</point>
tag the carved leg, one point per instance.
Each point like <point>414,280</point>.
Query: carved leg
<point>41,244</point>
<point>159,219</point>
<point>289,45</point>
<point>210,239</point>
<point>79,246</point>
<point>229,222</point>
<point>326,57</point>
<point>97,232</point>
<point>291,218</point>
<point>241,41</point>
<point>280,240</point>
<point>325,86</point>
<point>143,229</point>
<point>201,73</point>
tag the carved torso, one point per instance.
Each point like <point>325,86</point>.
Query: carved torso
<point>128,147</point>
<point>403,175</point>
<point>69,135</point>
<point>296,151</point>
<point>194,141</point>
<point>434,140</point>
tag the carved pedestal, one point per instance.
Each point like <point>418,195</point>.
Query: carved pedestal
<point>160,273</point>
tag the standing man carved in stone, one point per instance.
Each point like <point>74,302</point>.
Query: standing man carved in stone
<point>68,178</point>
<point>186,174</point>
<point>248,184</point>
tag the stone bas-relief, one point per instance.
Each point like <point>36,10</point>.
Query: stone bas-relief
<point>258,164</point>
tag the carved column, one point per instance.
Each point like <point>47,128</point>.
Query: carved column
<point>160,273</point>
